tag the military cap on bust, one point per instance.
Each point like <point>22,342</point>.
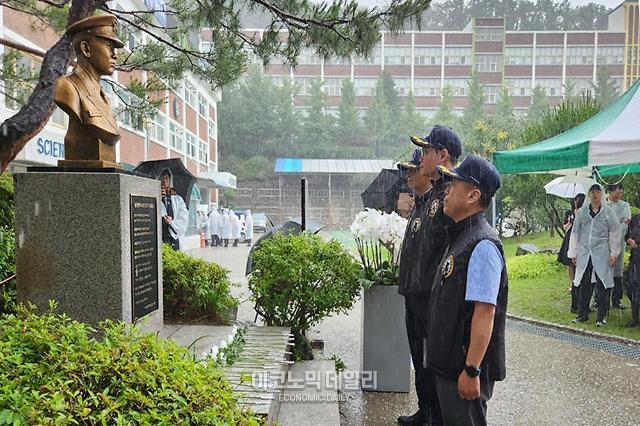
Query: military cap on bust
<point>105,26</point>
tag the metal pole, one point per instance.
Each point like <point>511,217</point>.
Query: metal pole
<point>303,204</point>
<point>493,212</point>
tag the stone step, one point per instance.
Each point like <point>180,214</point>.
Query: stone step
<point>309,398</point>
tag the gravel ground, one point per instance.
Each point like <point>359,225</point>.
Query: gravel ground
<point>548,381</point>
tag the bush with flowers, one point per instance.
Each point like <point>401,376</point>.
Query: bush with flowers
<point>378,237</point>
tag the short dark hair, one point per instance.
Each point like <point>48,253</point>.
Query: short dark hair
<point>578,201</point>
<point>485,200</point>
<point>612,187</point>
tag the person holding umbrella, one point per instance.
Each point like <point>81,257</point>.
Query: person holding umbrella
<point>174,213</point>
<point>569,217</point>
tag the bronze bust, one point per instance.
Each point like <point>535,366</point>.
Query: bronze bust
<point>93,131</point>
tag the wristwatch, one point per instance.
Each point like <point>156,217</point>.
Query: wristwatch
<point>472,370</point>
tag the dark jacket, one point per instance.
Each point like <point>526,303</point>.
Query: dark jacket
<point>431,242</point>
<point>450,315</point>
<point>409,253</point>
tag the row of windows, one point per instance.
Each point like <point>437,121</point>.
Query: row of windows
<point>489,34</point>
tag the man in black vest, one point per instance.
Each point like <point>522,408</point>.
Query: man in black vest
<point>465,340</point>
<point>419,262</point>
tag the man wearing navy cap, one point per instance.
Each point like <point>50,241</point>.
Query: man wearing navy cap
<point>468,307</point>
<point>441,147</point>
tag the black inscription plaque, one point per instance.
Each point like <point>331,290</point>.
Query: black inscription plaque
<point>144,256</point>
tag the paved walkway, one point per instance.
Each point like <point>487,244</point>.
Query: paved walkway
<point>549,381</point>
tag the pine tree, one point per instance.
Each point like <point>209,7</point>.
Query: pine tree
<point>318,125</point>
<point>390,94</point>
<point>349,126</point>
<point>412,122</point>
<point>445,115</point>
<point>378,122</point>
<point>605,90</point>
<point>504,116</point>
<point>474,112</point>
<point>539,104</point>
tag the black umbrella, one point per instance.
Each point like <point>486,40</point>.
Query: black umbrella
<point>291,226</point>
<point>383,191</point>
<point>183,180</point>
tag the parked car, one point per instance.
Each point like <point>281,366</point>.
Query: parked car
<point>260,222</point>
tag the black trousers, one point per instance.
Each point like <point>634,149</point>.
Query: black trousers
<point>585,291</point>
<point>457,411</point>
<point>616,291</point>
<point>215,240</point>
<point>416,314</point>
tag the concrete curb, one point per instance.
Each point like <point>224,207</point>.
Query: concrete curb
<point>568,329</point>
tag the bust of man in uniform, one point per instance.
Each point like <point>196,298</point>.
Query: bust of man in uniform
<point>93,131</point>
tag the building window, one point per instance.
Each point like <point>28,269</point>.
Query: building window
<point>519,86</point>
<point>332,86</point>
<point>308,57</point>
<point>552,86</point>
<point>427,55</point>
<point>127,113</point>
<point>610,55</point>
<point>192,144</point>
<point>519,55</point>
<point>581,85</point>
<point>212,166</point>
<point>338,61</point>
<point>203,152</point>
<point>190,94</point>
<point>20,79</point>
<point>580,55</point>
<point>203,105</point>
<point>304,85</point>
<point>457,55</point>
<point>58,117</point>
<point>397,55</point>
<point>426,87</point>
<point>373,59</point>
<point>460,86</point>
<point>489,34</point>
<point>213,132</point>
<point>365,86</point>
<point>175,136</point>
<point>549,55</point>
<point>156,130</point>
<point>488,63</point>
<point>403,86</point>
<point>491,94</point>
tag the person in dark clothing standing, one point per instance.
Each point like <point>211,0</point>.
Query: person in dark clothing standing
<point>465,340</point>
<point>441,147</point>
<point>633,284</point>
<point>569,217</point>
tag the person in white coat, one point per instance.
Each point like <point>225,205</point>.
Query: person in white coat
<point>174,213</point>
<point>248,222</point>
<point>236,228</point>
<point>622,209</point>
<point>225,230</point>
<point>594,248</point>
<point>214,227</point>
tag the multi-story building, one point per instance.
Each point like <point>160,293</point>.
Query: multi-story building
<point>426,61</point>
<point>185,125</point>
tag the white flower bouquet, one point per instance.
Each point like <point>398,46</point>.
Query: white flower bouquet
<point>378,238</point>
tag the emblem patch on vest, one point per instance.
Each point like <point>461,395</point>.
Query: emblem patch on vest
<point>447,268</point>
<point>433,208</point>
<point>415,225</point>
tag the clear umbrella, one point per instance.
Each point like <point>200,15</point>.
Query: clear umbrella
<point>569,186</point>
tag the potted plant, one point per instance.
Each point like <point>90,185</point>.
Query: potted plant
<point>385,350</point>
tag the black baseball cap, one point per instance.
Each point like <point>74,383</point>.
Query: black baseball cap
<point>477,171</point>
<point>595,187</point>
<point>441,137</point>
<point>412,164</point>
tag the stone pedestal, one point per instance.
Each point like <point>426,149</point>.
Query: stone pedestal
<point>91,240</point>
<point>385,349</point>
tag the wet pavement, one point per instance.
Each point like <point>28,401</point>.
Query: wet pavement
<point>549,381</point>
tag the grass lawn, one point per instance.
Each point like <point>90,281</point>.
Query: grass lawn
<point>543,298</point>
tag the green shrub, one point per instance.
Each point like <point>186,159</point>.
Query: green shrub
<point>7,269</point>
<point>52,371</point>
<point>298,280</point>
<point>6,201</point>
<point>195,289</point>
<point>539,265</point>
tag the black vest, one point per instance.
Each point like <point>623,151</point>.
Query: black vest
<point>450,315</point>
<point>409,255</point>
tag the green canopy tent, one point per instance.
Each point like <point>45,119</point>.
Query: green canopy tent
<point>610,138</point>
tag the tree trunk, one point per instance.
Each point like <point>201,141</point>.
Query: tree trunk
<point>17,130</point>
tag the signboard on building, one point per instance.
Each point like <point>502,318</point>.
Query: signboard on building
<point>44,149</point>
